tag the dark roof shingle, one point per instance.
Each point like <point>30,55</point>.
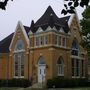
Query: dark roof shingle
<point>5,43</point>
<point>49,18</point>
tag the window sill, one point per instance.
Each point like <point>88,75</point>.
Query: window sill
<point>60,75</point>
<point>75,76</point>
<point>16,77</point>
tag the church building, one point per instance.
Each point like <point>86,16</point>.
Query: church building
<point>50,47</point>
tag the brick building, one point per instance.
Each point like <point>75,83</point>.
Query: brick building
<point>50,47</point>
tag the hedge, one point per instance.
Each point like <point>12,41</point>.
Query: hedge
<point>15,83</point>
<point>58,82</point>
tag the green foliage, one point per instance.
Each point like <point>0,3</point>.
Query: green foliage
<point>72,4</point>
<point>15,83</point>
<point>85,29</point>
<point>67,83</point>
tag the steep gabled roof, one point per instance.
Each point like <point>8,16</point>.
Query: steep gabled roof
<point>46,17</point>
<point>49,18</point>
<point>27,29</point>
<point>5,43</point>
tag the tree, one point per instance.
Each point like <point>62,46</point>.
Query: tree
<point>3,4</point>
<point>85,29</point>
<point>69,8</point>
<point>70,5</point>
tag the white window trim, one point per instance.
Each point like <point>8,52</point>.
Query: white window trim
<point>76,68</point>
<point>40,39</point>
<point>16,77</point>
<point>20,68</point>
<point>14,69</point>
<point>18,51</point>
<point>37,41</point>
<point>60,65</point>
<point>64,42</point>
<point>45,38</point>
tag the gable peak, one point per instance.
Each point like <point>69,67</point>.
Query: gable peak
<point>50,11</point>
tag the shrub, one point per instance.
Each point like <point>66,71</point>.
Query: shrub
<point>15,83</point>
<point>58,82</point>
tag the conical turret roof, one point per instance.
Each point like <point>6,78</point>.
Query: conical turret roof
<point>49,18</point>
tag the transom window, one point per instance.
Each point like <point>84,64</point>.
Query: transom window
<point>19,45</point>
<point>19,59</point>
<point>41,61</point>
<point>60,67</point>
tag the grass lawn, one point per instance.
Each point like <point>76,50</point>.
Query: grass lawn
<point>88,88</point>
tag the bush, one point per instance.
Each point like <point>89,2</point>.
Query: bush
<point>62,83</point>
<point>15,83</point>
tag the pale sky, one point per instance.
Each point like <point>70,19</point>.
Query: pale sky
<point>25,11</point>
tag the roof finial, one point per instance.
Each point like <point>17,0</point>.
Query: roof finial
<point>32,23</point>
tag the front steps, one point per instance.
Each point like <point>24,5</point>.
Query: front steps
<point>38,85</point>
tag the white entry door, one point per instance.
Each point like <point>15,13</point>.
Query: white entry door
<point>41,73</point>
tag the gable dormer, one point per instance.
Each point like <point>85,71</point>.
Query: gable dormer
<point>40,30</point>
<point>74,26</point>
<point>20,32</point>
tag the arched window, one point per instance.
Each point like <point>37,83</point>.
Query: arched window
<point>19,59</point>
<point>60,66</point>
<point>74,48</point>
<point>75,61</point>
<point>41,61</point>
<point>19,45</point>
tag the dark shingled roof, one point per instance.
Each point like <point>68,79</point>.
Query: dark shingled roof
<point>5,43</point>
<point>49,18</point>
<point>27,29</point>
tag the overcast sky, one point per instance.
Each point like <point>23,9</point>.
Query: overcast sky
<point>25,11</point>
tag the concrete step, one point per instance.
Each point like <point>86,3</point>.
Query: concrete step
<point>37,85</point>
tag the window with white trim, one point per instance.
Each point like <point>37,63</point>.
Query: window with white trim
<point>75,62</point>
<point>37,41</point>
<point>60,67</point>
<point>22,63</point>
<point>75,67</point>
<point>40,40</point>
<point>56,40</point>
<point>75,49</point>
<point>16,65</point>
<point>19,59</point>
<point>59,40</point>
<point>64,41</point>
<point>45,39</point>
